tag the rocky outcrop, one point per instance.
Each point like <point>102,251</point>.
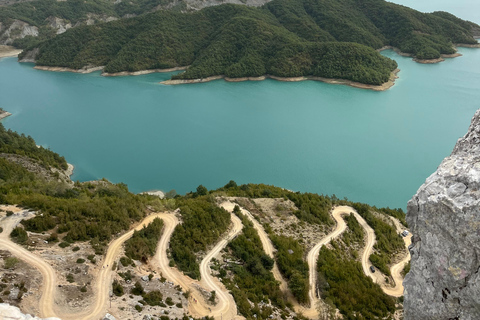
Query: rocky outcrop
<point>60,25</point>
<point>444,215</point>
<point>192,5</point>
<point>33,166</point>
<point>93,18</point>
<point>17,30</point>
<point>10,312</point>
<point>30,56</point>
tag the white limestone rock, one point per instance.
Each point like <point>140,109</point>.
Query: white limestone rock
<point>444,215</point>
<point>11,312</point>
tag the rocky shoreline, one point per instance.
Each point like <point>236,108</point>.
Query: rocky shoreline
<point>382,87</point>
<point>107,74</point>
<point>62,69</point>
<point>4,114</point>
<point>142,72</point>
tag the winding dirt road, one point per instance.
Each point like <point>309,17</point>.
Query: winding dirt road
<point>396,269</point>
<point>267,246</point>
<point>103,281</point>
<point>48,274</point>
<point>312,258</point>
<point>226,307</point>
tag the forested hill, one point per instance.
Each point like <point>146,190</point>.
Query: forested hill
<point>326,38</point>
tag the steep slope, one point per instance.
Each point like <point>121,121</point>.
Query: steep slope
<point>444,280</point>
<point>285,38</point>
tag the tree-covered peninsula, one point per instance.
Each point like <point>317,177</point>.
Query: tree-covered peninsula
<point>284,38</point>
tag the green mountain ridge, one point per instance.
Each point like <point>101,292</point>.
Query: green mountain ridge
<point>285,38</point>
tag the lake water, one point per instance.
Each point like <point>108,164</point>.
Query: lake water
<point>374,147</point>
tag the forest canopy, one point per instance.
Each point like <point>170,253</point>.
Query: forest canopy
<point>285,38</point>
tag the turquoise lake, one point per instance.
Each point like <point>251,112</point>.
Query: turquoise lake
<point>374,147</point>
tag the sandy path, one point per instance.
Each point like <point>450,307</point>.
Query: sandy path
<point>103,280</point>
<point>378,277</point>
<point>226,307</point>
<point>396,269</point>
<point>48,274</point>
<point>267,247</point>
<point>312,258</point>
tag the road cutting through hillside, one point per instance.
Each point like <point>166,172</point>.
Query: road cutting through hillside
<point>396,269</point>
<point>226,307</point>
<point>267,247</point>
<point>47,305</point>
<point>312,258</point>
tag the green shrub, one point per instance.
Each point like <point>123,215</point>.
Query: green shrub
<point>11,262</point>
<point>125,261</point>
<point>19,235</point>
<point>153,298</point>
<point>80,260</point>
<point>70,278</point>
<point>117,288</point>
<point>53,237</point>
<point>63,244</point>
<point>169,301</point>
<point>137,289</point>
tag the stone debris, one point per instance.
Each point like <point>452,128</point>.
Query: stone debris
<point>444,216</point>
<point>108,316</point>
<point>11,312</point>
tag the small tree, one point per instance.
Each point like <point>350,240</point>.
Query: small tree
<point>213,295</point>
<point>117,288</point>
<point>202,191</point>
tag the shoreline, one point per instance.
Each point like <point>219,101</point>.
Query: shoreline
<point>431,61</point>
<point>385,86</point>
<point>142,72</point>
<point>86,70</point>
<point>4,114</point>
<point>9,51</point>
<point>62,69</point>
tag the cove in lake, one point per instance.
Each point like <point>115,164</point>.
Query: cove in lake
<point>374,147</point>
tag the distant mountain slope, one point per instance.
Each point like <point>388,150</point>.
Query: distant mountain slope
<point>23,23</point>
<point>287,38</point>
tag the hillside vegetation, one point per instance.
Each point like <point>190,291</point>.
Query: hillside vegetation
<point>19,144</point>
<point>389,242</point>
<point>253,280</point>
<point>90,211</point>
<point>202,224</point>
<point>285,38</point>
<point>143,243</point>
<point>98,211</point>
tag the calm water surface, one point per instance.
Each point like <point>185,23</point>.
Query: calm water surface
<point>374,147</point>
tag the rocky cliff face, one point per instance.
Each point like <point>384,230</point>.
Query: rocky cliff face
<point>444,280</point>
<point>17,30</point>
<point>193,5</point>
